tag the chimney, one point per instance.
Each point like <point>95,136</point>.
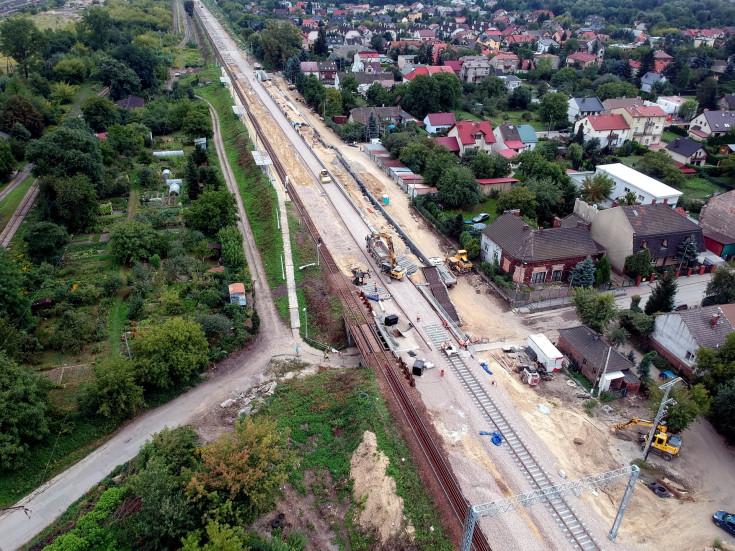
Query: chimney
<point>514,212</point>
<point>557,222</point>
<point>666,201</point>
<point>715,320</point>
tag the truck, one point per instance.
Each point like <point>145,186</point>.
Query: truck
<point>380,246</point>
<point>446,275</point>
<point>546,353</point>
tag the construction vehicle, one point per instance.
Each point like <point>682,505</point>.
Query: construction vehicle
<point>459,264</point>
<point>665,444</point>
<point>530,375</point>
<point>445,274</point>
<point>380,245</point>
<point>325,177</point>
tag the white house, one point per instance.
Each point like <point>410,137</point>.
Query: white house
<point>678,335</point>
<point>711,123</point>
<point>611,130</point>
<point>582,107</point>
<point>647,190</point>
<point>511,82</point>
<point>670,104</point>
<point>439,122</point>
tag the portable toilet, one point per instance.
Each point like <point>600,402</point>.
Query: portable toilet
<point>386,199</point>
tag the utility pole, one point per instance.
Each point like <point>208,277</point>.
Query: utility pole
<point>604,370</point>
<point>665,403</point>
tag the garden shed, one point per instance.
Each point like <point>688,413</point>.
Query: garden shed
<point>237,293</point>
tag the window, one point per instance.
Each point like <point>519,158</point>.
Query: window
<point>556,275</point>
<point>689,356</point>
<point>538,277</point>
<point>644,244</point>
<point>664,243</point>
<point>641,198</point>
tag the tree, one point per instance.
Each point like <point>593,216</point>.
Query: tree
<point>120,78</point>
<point>629,199</point>
<point>197,124</point>
<point>458,188</point>
<point>686,253</point>
<point>449,90</point>
<point>321,48</point>
<point>644,367</point>
<point>132,240</point>
<point>658,164</point>
<point>583,274</point>
<point>99,113</point>
<point>597,188</point>
<point>126,140</point>
<point>663,296</point>
<point>170,354</point>
<point>489,165</point>
<point>688,109</point>
<point>314,91</point>
<point>219,537</point>
<point>212,211</point>
<point>520,98</point>
<point>333,103</point>
<point>707,94</point>
<point>21,40</point>
<point>372,130</point>
<point>279,40</point>
<point>241,473</point>
<point>721,288</point>
<point>618,336</point>
<point>438,162</point>
<point>575,152</point>
<point>71,70</point>
<point>143,60</point>
<point>95,27</point>
<point>7,161</point>
<point>45,242</point>
<point>723,409</point>
<point>292,68</point>
<point>191,177</point>
<point>602,273</point>
<point>71,200</point>
<point>24,405</point>
<point>716,367</point>
<point>594,309</point>
<point>113,393</point>
<point>638,264</point>
<point>18,109</point>
<point>553,107</point>
<point>421,96</point>
<point>690,404</point>
<point>233,255</point>
<point>14,301</point>
<point>519,197</point>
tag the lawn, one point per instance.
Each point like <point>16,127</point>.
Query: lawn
<point>487,206</point>
<point>698,188</point>
<point>11,202</point>
<point>512,117</point>
<point>49,21</point>
<point>668,137</point>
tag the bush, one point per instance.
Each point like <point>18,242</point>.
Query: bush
<point>110,283</point>
<point>113,393</point>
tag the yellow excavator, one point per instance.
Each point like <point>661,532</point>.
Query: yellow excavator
<point>380,245</point>
<point>459,263</point>
<point>665,444</point>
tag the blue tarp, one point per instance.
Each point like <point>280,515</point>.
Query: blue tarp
<point>485,367</point>
<point>497,438</point>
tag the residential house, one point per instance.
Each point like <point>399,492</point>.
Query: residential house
<point>725,150</point>
<point>407,61</point>
<point>678,335</point>
<point>617,103</point>
<point>528,136</point>
<point>717,220</point>
<point>584,60</point>
<point>670,104</point>
<point>475,68</point>
<point>687,152</point>
<point>366,80</point>
<point>588,352</point>
<point>505,62</point>
<point>535,256</point>
<point>623,231</point>
<point>511,82</point>
<point>439,122</point>
<point>491,39</point>
<point>508,136</point>
<point>455,66</point>
<point>611,130</point>
<point>488,185</point>
<point>426,70</point>
<point>386,115</point>
<point>582,107</point>
<point>726,102</point>
<point>661,60</point>
<point>545,44</point>
<point>711,123</point>
<point>324,71</point>
<point>358,63</point>
<point>131,102</point>
<point>649,80</point>
<point>472,135</point>
<point>646,123</point>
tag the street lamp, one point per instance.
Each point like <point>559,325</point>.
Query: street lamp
<point>306,324</point>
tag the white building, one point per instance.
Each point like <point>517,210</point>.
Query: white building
<point>670,104</point>
<point>439,122</point>
<point>611,130</point>
<point>647,190</point>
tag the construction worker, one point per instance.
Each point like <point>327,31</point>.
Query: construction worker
<point>376,288</point>
<point>418,317</point>
<point>444,346</point>
<point>326,355</point>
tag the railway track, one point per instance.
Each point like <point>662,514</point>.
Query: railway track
<point>19,179</point>
<point>361,329</point>
<point>17,219</point>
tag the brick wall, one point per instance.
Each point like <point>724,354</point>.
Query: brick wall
<point>683,369</point>
<point>568,263</point>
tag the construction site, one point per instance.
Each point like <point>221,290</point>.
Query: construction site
<point>499,416</point>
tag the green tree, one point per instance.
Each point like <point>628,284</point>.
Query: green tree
<point>663,296</point>
<point>553,107</point>
<point>170,354</point>
<point>638,264</point>
<point>99,113</point>
<point>690,404</point>
<point>333,100</point>
<point>489,165</point>
<point>686,253</point>
<point>71,200</point>
<point>583,274</point>
<point>629,199</point>
<point>71,70</point>
<point>197,124</point>
<point>45,242</point>
<point>24,406</point>
<point>114,392</point>
<point>421,96</point>
<point>438,161</point>
<point>723,409</point>
<point>95,27</point>
<point>707,94</point>
<point>594,309</point>
<point>520,98</point>
<point>233,255</point>
<point>314,91</point>
<point>644,367</point>
<point>688,109</point>
<point>279,40</point>
<point>126,140</point>
<point>602,273</point>
<point>7,161</point>
<point>21,40</point>
<point>658,164</point>
<point>721,288</point>
<point>241,473</point>
<point>321,48</point>
<point>19,109</point>
<point>458,188</point>
<point>292,68</point>
<point>212,211</point>
<point>597,188</point>
<point>219,537</point>
<point>120,78</point>
<point>618,336</point>
<point>519,197</point>
<point>575,152</point>
<point>131,241</point>
<point>716,367</point>
<point>449,90</point>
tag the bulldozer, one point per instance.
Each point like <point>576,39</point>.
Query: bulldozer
<point>459,264</point>
<point>380,245</point>
<point>664,443</point>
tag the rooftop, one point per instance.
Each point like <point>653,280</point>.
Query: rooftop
<point>594,348</point>
<point>441,119</point>
<point>718,215</point>
<point>607,122</point>
<point>658,219</point>
<point>699,323</point>
<point>639,180</point>
<point>685,147</point>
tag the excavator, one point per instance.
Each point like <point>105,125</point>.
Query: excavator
<point>459,263</point>
<point>380,245</point>
<point>665,444</point>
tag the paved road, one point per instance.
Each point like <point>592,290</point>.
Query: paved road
<point>49,501</point>
<point>690,292</point>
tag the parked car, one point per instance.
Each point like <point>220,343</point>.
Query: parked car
<point>724,520</point>
<point>480,218</point>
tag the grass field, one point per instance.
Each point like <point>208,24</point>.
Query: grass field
<point>698,188</point>
<point>50,21</point>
